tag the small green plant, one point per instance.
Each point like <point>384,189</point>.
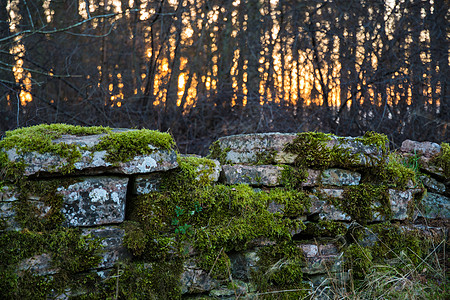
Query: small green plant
<point>179,212</point>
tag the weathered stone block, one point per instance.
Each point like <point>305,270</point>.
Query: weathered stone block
<point>400,201</point>
<point>212,173</point>
<point>40,264</point>
<point>321,258</point>
<point>94,201</point>
<point>8,211</point>
<point>433,185</point>
<point>312,179</point>
<point>145,184</point>
<point>248,148</point>
<point>340,177</point>
<point>427,151</point>
<point>195,280</point>
<point>365,155</point>
<point>435,206</point>
<point>324,209</point>
<point>267,175</point>
<point>113,249</point>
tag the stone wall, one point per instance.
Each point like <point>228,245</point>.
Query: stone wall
<point>102,213</point>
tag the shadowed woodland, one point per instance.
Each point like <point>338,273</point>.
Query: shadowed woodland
<point>204,69</point>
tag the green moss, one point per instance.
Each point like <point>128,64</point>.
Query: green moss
<point>26,286</point>
<point>293,178</point>
<point>280,268</point>
<point>44,213</point>
<point>443,159</point>
<point>123,146</point>
<point>296,203</point>
<point>325,228</point>
<point>265,158</point>
<point>361,202</point>
<point>377,139</point>
<point>386,245</point>
<point>392,241</point>
<point>216,152</point>
<point>150,281</point>
<point>359,260</point>
<point>39,138</point>
<point>313,151</point>
<point>120,146</point>
<point>70,252</point>
<point>398,172</point>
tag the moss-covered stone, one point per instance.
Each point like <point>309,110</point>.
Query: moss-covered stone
<point>59,148</point>
<point>123,146</point>
<point>280,268</point>
<point>364,202</point>
<point>70,253</point>
<point>443,159</point>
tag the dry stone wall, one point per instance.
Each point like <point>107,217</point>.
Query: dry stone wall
<point>266,215</point>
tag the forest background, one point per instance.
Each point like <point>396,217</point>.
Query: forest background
<point>202,69</point>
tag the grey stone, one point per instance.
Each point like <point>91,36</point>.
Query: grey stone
<point>400,201</point>
<point>435,206</point>
<point>92,162</point>
<point>8,193</point>
<point>160,160</point>
<point>94,201</point>
<point>39,264</point>
<point>8,212</point>
<point>312,179</point>
<point>239,290</point>
<point>196,280</point>
<point>432,184</point>
<point>266,175</point>
<point>145,184</point>
<point>243,263</point>
<point>324,209</point>
<point>321,258</point>
<point>113,249</point>
<point>340,177</point>
<point>426,149</point>
<point>247,148</point>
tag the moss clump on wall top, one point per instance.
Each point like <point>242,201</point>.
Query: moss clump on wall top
<point>39,138</point>
<point>123,146</point>
<point>313,151</point>
<point>216,152</point>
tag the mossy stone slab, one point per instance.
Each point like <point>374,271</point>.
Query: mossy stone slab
<point>113,249</point>
<point>91,161</point>
<point>195,280</point>
<point>321,258</point>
